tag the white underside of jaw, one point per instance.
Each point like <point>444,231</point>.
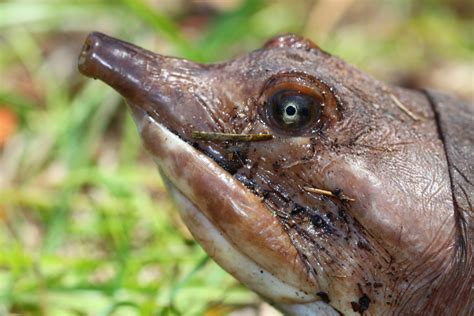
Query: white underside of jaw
<point>239,265</point>
<point>227,255</point>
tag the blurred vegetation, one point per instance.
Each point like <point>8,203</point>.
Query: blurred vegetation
<point>85,227</point>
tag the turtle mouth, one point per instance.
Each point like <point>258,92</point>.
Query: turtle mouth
<point>230,222</point>
<point>226,253</point>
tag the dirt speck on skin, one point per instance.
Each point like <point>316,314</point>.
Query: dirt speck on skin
<point>362,305</point>
<point>324,296</point>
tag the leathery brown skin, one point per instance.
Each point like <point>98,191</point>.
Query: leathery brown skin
<point>399,248</point>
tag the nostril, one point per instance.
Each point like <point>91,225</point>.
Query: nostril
<point>87,46</point>
<point>86,51</point>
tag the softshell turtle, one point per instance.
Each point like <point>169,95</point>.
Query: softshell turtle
<point>320,188</point>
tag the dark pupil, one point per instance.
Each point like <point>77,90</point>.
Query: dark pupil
<point>291,110</point>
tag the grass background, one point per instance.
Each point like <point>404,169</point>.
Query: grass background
<point>85,226</point>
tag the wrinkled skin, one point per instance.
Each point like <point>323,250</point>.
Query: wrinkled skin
<point>403,246</point>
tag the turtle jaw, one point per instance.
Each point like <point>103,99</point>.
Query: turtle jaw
<point>232,224</point>
<point>239,265</point>
<point>227,254</point>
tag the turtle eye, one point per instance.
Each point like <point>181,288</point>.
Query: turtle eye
<point>296,104</point>
<point>292,110</point>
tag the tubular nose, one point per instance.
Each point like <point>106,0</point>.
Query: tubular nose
<point>123,66</point>
<point>88,55</point>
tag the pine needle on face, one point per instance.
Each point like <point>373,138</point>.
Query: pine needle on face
<point>214,136</point>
